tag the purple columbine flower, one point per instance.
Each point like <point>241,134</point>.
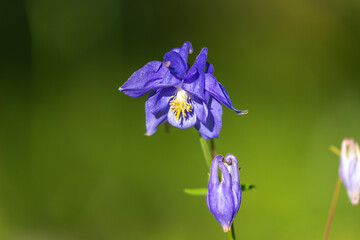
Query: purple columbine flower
<point>182,95</point>
<point>349,169</point>
<point>224,197</point>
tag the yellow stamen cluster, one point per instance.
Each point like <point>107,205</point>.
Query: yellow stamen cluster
<point>180,104</point>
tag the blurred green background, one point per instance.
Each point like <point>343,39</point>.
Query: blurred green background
<point>74,163</point>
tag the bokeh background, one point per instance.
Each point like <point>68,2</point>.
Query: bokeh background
<point>75,165</point>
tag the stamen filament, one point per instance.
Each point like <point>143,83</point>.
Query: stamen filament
<point>180,104</point>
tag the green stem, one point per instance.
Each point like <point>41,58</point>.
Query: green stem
<point>332,208</point>
<point>167,127</point>
<point>335,197</point>
<point>213,151</point>
<point>206,152</point>
<point>231,233</point>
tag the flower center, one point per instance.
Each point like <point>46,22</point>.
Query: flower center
<point>180,104</point>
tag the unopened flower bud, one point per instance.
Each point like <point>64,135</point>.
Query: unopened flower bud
<point>349,169</point>
<point>224,197</point>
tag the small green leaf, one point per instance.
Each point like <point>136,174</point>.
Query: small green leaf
<point>196,191</point>
<point>246,187</point>
<point>203,191</point>
<point>334,150</point>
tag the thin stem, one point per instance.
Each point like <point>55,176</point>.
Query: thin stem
<point>206,152</point>
<point>213,151</point>
<point>231,233</point>
<point>332,208</point>
<point>167,127</point>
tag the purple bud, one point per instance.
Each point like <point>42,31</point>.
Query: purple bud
<point>224,197</point>
<point>349,169</point>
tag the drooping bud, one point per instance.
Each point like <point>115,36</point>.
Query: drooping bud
<point>349,169</point>
<point>224,197</point>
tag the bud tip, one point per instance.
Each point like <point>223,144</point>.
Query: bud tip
<point>226,228</point>
<point>167,63</point>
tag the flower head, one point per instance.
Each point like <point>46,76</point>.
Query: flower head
<point>182,95</point>
<point>349,169</point>
<point>224,197</point>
